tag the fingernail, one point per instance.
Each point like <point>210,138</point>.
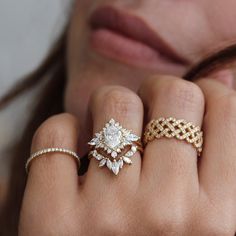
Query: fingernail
<point>225,76</point>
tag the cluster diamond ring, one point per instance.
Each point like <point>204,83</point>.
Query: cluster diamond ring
<point>114,146</point>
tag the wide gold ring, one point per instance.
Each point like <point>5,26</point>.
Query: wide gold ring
<point>174,128</point>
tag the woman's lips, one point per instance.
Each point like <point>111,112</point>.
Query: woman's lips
<point>128,39</point>
<point>124,49</point>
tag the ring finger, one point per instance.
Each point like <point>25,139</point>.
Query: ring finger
<point>171,163</point>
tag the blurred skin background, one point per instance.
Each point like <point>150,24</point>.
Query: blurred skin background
<point>28,28</point>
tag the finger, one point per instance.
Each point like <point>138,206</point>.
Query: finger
<point>169,162</point>
<point>53,180</point>
<point>125,107</point>
<point>217,170</point>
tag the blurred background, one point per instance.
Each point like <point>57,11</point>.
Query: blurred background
<point>27,29</point>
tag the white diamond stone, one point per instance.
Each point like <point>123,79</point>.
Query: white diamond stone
<point>99,157</point>
<point>102,162</point>
<point>94,141</point>
<point>109,164</point>
<point>132,137</point>
<point>121,163</point>
<point>129,154</point>
<point>94,153</point>
<point>112,121</point>
<point>115,167</point>
<point>114,154</point>
<point>127,160</point>
<point>112,136</point>
<point>134,149</point>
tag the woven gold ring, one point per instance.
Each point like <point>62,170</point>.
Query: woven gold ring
<point>174,128</point>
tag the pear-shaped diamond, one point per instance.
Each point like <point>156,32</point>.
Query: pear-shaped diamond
<point>112,136</point>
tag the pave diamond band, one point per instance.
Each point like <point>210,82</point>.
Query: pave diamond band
<point>173,128</point>
<point>113,146</point>
<point>51,150</point>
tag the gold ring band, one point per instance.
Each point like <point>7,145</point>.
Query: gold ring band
<point>51,150</point>
<point>174,128</point>
<point>138,145</point>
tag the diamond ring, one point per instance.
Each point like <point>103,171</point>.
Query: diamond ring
<point>114,146</point>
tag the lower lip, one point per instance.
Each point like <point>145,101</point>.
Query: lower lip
<point>129,51</point>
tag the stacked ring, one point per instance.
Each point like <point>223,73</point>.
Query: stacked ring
<point>114,146</point>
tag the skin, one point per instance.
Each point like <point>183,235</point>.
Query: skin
<point>169,191</point>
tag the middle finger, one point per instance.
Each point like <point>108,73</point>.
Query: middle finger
<point>125,107</point>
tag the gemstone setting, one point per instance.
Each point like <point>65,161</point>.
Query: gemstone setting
<point>110,144</point>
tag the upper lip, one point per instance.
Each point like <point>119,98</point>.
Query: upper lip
<point>133,27</point>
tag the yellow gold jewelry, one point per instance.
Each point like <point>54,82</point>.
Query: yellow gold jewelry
<point>51,150</point>
<point>113,146</point>
<point>173,128</point>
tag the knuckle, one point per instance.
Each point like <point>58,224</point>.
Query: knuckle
<point>52,131</point>
<point>168,222</point>
<point>217,229</point>
<point>215,222</point>
<point>227,107</point>
<point>183,94</point>
<point>58,131</point>
<point>223,111</point>
<point>50,224</point>
<point>117,100</point>
<point>172,223</point>
<point>108,223</point>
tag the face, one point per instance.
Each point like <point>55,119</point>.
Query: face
<point>123,42</point>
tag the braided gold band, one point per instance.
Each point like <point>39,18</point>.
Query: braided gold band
<point>51,150</point>
<point>173,128</point>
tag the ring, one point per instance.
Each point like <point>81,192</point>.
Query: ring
<point>173,128</point>
<point>114,146</point>
<point>51,150</point>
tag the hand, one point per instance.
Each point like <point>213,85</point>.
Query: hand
<point>167,192</point>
